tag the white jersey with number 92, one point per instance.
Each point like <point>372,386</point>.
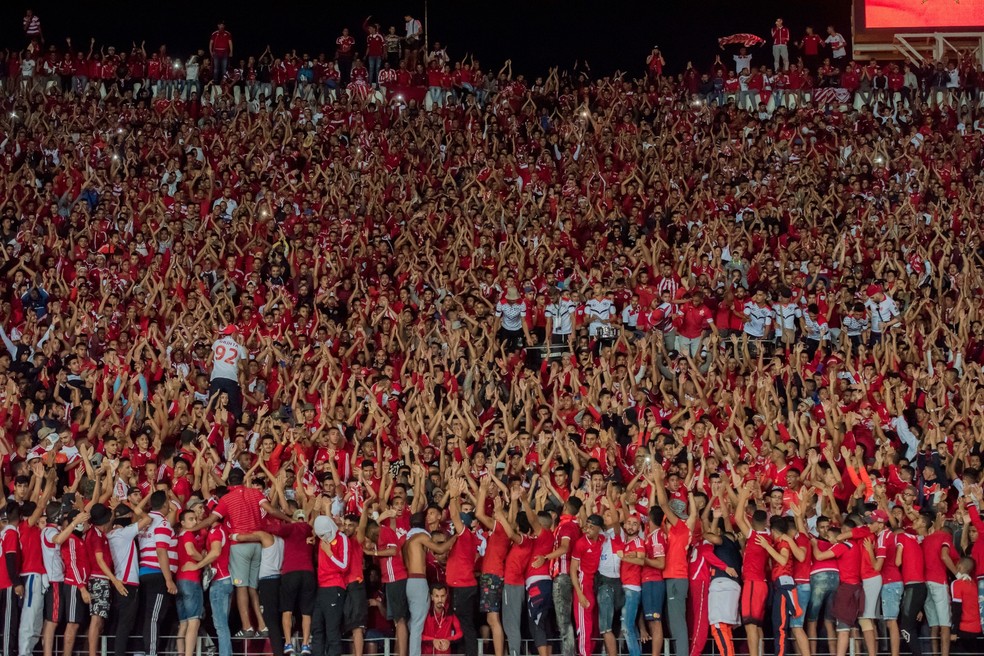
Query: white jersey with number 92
<point>226,354</point>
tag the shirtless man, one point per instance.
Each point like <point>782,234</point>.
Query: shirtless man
<point>418,543</point>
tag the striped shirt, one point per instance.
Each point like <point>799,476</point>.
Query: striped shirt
<point>159,535</point>
<point>32,26</point>
<point>241,510</point>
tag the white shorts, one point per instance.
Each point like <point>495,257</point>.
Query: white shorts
<point>872,590</point>
<point>937,604</point>
<point>723,600</point>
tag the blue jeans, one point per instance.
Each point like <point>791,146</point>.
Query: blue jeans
<point>803,598</point>
<point>220,64</point>
<point>375,63</point>
<point>630,612</point>
<point>220,598</point>
<point>822,587</point>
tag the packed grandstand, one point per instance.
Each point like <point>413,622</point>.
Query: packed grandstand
<point>312,354</point>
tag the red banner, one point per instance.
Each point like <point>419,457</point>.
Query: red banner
<point>923,14</point>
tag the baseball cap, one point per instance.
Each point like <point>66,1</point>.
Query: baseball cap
<point>879,515</point>
<point>871,290</point>
<point>597,520</point>
<point>229,330</point>
<point>679,508</point>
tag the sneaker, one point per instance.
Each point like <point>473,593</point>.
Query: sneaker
<point>305,650</point>
<point>244,633</point>
<point>263,633</point>
<point>288,649</point>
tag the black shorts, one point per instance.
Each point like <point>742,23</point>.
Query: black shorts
<point>298,591</point>
<point>100,591</point>
<point>397,606</point>
<point>74,610</point>
<point>355,610</point>
<point>489,593</point>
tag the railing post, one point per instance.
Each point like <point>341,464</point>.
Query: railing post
<point>387,647</point>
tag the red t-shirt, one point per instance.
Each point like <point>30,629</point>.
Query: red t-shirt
<point>97,542</point>
<point>219,534</point>
<point>887,546</point>
<point>240,508</point>
<point>801,570</point>
<point>655,548</point>
<point>542,545</point>
<point>496,548</point>
<point>677,544</point>
<point>912,558</point>
<point>964,591</point>
<point>570,531</point>
<point>517,560</point>
<point>461,560</point>
<point>391,567</point>
<point>849,560</point>
<point>195,540</point>
<point>32,562</point>
<point>756,560</point>
<point>933,546</point>
<point>8,545</point>
<point>631,573</point>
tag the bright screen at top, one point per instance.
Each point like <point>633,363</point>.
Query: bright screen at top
<point>919,14</point>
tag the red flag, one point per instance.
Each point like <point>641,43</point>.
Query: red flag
<point>747,40</point>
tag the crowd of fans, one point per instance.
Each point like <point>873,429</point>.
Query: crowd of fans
<point>441,354</point>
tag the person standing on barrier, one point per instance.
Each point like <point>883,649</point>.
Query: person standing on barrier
<point>679,525</point>
<point>11,588</point>
<point>493,567</point>
<point>271,563</point>
<point>158,563</point>
<point>514,588</point>
<point>539,586</point>
<point>585,559</point>
<point>461,568</point>
<point>388,549</point>
<point>911,562</point>
<point>415,550</point>
<point>355,616</point>
<point>123,547</point>
<point>334,560</point>
<point>632,552</point>
<point>653,584</point>
<point>242,509</point>
<point>220,589</point>
<point>567,532</point>
<point>608,584</point>
<point>32,563</point>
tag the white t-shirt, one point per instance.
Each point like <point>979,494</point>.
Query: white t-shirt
<point>741,63</point>
<point>226,354</point>
<point>838,45</point>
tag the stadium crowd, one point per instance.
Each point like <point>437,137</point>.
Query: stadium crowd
<point>380,344</point>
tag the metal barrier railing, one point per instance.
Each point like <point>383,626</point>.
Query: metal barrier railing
<point>384,645</point>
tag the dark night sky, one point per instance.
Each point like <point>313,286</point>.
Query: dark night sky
<point>534,33</point>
